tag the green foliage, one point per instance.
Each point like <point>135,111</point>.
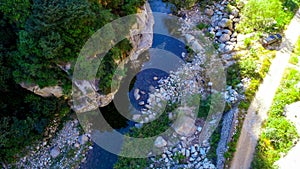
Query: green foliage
<point>108,65</point>
<point>278,134</point>
<point>232,76</point>
<point>215,45</point>
<point>128,163</point>
<point>202,26</point>
<point>247,42</point>
<point>248,67</point>
<point>26,122</point>
<point>266,14</point>
<point>36,37</point>
<point>54,34</point>
<point>252,88</point>
<point>16,11</point>
<point>296,53</point>
<point>153,128</point>
<point>148,130</point>
<point>179,157</point>
<point>229,8</point>
<point>294,60</point>
<point>204,107</point>
<point>287,93</point>
<point>214,140</point>
<point>56,31</point>
<point>183,3</point>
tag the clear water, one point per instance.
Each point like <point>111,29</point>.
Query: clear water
<point>162,46</point>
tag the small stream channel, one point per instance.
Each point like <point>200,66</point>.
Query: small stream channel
<point>98,158</point>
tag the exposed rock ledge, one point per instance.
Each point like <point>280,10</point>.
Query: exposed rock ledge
<point>141,36</point>
<point>56,91</point>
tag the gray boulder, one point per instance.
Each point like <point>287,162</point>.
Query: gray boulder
<point>226,23</point>
<point>160,142</point>
<point>226,31</point>
<point>235,12</point>
<point>224,38</point>
<point>136,94</point>
<point>83,139</point>
<point>221,47</point>
<point>219,33</point>
<point>228,48</point>
<point>209,12</point>
<point>54,152</point>
<point>185,126</point>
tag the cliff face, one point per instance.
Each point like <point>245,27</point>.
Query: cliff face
<point>144,25</point>
<point>85,97</point>
<point>56,91</point>
<point>141,36</point>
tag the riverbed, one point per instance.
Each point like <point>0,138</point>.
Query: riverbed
<point>145,81</point>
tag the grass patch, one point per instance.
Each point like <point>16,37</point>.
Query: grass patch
<point>296,53</point>
<point>202,26</point>
<point>267,15</point>
<point>279,134</point>
<point>214,140</point>
<point>148,130</point>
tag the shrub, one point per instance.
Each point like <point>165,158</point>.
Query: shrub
<point>204,107</point>
<point>247,42</point>
<point>202,26</point>
<point>294,60</point>
<point>248,67</point>
<point>296,53</point>
<point>232,77</point>
<point>265,14</point>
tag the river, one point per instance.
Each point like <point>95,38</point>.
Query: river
<point>98,158</point>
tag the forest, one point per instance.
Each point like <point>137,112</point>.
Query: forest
<point>37,37</point>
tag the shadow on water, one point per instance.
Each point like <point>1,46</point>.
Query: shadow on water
<point>145,80</point>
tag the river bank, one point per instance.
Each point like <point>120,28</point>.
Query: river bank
<point>222,26</point>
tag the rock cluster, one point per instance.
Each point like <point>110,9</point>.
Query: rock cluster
<point>224,18</point>
<point>187,79</point>
<point>187,153</point>
<point>232,96</point>
<point>222,26</point>
<point>66,150</point>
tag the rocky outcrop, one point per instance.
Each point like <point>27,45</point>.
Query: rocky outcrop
<point>141,34</point>
<point>56,91</point>
<point>185,126</point>
<point>85,96</point>
<point>160,142</point>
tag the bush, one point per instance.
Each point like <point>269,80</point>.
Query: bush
<point>248,67</point>
<point>232,77</point>
<point>204,107</point>
<point>294,60</point>
<point>247,42</point>
<point>296,53</point>
<point>265,15</point>
<point>202,26</point>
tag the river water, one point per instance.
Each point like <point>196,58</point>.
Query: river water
<point>99,158</point>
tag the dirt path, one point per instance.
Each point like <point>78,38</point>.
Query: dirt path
<point>260,105</point>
